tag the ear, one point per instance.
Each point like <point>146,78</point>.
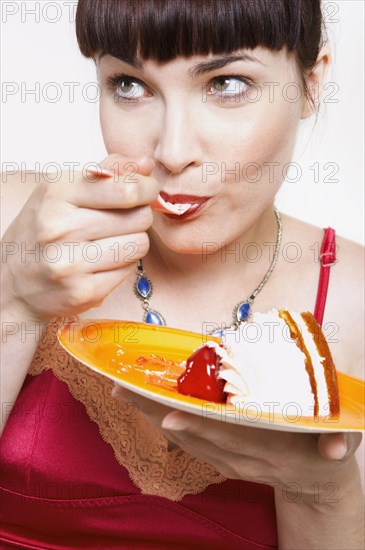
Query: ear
<point>316,79</point>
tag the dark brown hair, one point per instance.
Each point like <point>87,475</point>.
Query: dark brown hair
<point>162,30</point>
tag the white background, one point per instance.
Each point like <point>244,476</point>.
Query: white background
<point>41,48</point>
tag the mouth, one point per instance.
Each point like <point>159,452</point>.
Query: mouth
<point>178,205</point>
<point>192,211</point>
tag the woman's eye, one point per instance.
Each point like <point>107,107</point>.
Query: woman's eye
<point>228,86</point>
<point>126,87</point>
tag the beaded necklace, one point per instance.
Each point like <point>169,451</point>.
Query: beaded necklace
<point>143,289</point>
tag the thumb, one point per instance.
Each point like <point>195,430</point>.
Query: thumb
<point>118,164</point>
<point>336,446</point>
<point>332,446</point>
<point>145,166</point>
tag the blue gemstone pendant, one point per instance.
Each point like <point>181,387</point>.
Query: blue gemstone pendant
<point>154,318</point>
<point>143,287</point>
<point>218,333</point>
<point>242,312</point>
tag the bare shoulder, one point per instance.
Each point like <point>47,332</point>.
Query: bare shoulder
<point>346,303</point>
<point>351,258</point>
<point>16,189</point>
<point>347,281</point>
<point>348,271</point>
<point>343,323</point>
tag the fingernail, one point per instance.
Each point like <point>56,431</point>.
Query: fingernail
<point>144,159</point>
<point>172,424</point>
<point>116,392</point>
<point>343,447</point>
<point>102,172</point>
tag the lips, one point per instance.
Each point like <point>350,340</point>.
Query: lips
<point>177,205</point>
<point>190,210</point>
<point>182,199</point>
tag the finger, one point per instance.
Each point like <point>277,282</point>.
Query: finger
<point>83,293</point>
<point>228,463</point>
<point>120,181</point>
<point>98,172</point>
<point>144,166</point>
<point>236,438</point>
<point>120,392</point>
<point>337,446</point>
<point>114,252</point>
<point>125,191</point>
<point>332,446</point>
<point>90,225</point>
<point>117,164</point>
<point>153,410</point>
<point>97,256</point>
<point>200,447</point>
<point>203,450</point>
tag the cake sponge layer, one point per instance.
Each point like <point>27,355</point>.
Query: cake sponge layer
<point>280,361</point>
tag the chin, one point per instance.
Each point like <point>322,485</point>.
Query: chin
<point>193,248</point>
<point>179,240</point>
<point>198,237</point>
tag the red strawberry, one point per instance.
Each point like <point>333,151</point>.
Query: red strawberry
<point>200,376</point>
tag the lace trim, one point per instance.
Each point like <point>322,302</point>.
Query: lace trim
<point>138,445</point>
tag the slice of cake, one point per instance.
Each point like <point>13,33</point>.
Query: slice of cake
<point>279,359</point>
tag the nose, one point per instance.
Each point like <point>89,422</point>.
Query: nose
<point>178,144</point>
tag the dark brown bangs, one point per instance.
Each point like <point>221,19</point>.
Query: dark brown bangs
<point>162,30</point>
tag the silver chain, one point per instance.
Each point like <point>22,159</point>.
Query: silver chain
<point>275,258</point>
<point>235,324</point>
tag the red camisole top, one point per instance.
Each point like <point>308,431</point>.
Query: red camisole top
<point>63,489</point>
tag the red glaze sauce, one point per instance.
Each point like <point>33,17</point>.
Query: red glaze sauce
<point>200,376</point>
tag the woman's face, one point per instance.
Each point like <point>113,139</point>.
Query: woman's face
<point>217,128</point>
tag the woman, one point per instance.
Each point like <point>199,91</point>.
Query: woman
<point>186,94</point>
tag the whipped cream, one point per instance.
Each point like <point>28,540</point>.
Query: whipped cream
<point>269,371</point>
<point>165,206</point>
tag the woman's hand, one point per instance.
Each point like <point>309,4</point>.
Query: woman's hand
<point>74,242</point>
<point>318,496</point>
<point>294,461</point>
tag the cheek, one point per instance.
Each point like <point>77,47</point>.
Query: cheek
<point>279,129</point>
<point>110,128</point>
<point>105,115</point>
<point>262,142</point>
<point>120,134</point>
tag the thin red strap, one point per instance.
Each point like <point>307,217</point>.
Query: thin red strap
<point>328,259</point>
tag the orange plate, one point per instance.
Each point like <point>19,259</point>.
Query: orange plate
<point>145,359</point>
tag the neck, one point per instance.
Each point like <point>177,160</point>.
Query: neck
<point>246,258</point>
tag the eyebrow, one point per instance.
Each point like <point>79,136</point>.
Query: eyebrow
<point>207,66</point>
<point>201,68</point>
